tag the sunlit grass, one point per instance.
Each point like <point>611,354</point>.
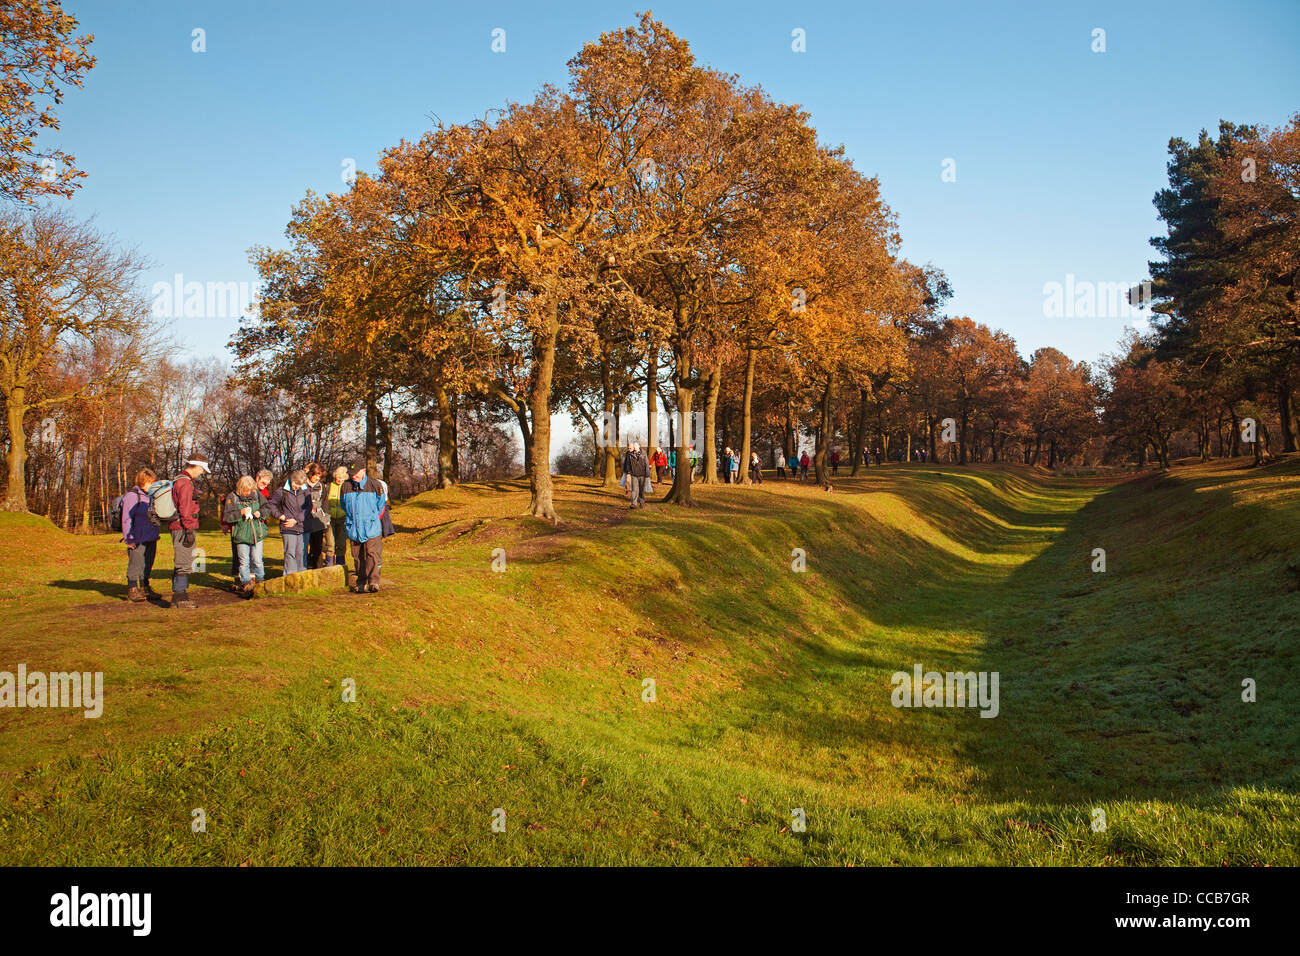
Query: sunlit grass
<point>523,690</point>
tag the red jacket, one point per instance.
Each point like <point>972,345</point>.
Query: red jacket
<point>187,509</point>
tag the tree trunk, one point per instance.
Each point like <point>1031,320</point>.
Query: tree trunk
<point>386,442</point>
<point>965,422</point>
<point>681,491</point>
<point>823,434</point>
<point>788,437</point>
<point>747,417</point>
<point>372,435</point>
<point>1287,415</point>
<point>16,490</point>
<point>652,403</point>
<point>447,476</point>
<point>87,476</point>
<point>860,433</point>
<point>539,401</point>
<point>710,451</point>
<point>609,471</point>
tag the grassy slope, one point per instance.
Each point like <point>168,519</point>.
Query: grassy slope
<point>522,690</point>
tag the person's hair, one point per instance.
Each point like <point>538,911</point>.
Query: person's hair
<point>264,473</point>
<point>144,477</point>
<point>245,486</point>
<point>342,471</point>
<point>298,477</point>
<point>315,469</point>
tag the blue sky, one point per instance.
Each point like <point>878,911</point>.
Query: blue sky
<point>195,157</point>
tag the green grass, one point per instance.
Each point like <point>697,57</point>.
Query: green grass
<point>523,690</point>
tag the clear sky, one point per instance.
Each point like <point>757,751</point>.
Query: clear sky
<point>1057,149</point>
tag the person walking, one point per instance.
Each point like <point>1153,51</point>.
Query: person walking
<point>292,505</point>
<point>318,519</point>
<point>637,470</point>
<point>184,529</point>
<point>336,538</point>
<point>363,504</point>
<point>779,455</point>
<point>243,512</point>
<point>755,469</point>
<point>735,467</point>
<point>835,462</point>
<point>794,466</point>
<point>672,463</point>
<point>140,535</point>
<point>804,462</point>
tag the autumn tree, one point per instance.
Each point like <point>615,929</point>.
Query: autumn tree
<point>62,282</point>
<point>40,55</point>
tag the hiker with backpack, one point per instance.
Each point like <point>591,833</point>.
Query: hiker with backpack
<point>139,534</point>
<point>177,504</point>
<point>242,511</point>
<point>292,505</point>
<point>363,505</point>
<point>318,520</point>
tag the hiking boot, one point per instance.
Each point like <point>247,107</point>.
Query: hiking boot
<point>136,593</point>
<point>149,592</point>
<point>181,599</point>
<point>372,588</point>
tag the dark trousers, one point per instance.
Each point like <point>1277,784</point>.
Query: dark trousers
<point>315,548</point>
<point>336,542</point>
<point>365,558</point>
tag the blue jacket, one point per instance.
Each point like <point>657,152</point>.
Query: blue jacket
<point>363,502</point>
<point>136,526</point>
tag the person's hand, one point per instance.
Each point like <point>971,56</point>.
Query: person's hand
<point>246,512</point>
<point>130,547</point>
<point>289,522</point>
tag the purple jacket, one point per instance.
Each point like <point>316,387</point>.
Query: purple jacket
<point>136,526</point>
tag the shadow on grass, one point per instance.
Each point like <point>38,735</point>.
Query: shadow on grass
<point>1118,685</point>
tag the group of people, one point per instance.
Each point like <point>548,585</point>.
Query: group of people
<point>798,465</point>
<point>318,521</point>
